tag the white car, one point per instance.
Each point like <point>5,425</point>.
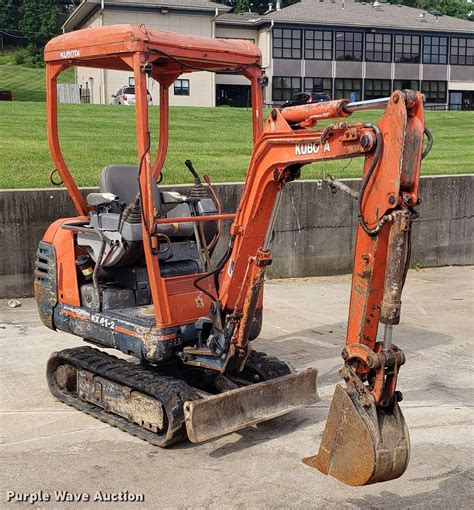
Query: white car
<point>126,96</point>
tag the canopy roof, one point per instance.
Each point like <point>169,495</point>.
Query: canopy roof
<point>107,46</point>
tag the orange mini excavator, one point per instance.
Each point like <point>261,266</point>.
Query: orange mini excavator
<point>135,269</point>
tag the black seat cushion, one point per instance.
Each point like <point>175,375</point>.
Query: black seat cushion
<point>122,181</point>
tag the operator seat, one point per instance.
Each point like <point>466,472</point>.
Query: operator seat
<point>121,233</point>
<point>122,181</point>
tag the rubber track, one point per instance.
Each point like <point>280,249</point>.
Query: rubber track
<point>172,393</point>
<point>269,367</point>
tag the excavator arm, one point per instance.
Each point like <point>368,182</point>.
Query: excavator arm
<point>366,439</point>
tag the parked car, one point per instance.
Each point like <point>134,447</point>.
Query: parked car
<point>126,96</point>
<point>306,97</point>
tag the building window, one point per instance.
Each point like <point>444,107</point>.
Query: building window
<point>348,88</point>
<point>181,88</point>
<point>435,91</point>
<point>286,43</point>
<point>318,45</point>
<point>349,46</point>
<point>378,48</point>
<point>406,84</point>
<point>407,49</point>
<point>284,87</point>
<point>462,51</point>
<point>319,85</point>
<point>373,89</point>
<point>435,50</point>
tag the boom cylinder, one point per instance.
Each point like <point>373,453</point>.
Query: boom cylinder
<point>369,104</point>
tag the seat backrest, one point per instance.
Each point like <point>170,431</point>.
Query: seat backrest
<point>122,181</point>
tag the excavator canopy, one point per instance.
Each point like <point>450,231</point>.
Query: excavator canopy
<point>105,47</point>
<point>148,53</point>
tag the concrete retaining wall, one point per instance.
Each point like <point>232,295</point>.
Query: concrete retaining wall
<point>314,234</point>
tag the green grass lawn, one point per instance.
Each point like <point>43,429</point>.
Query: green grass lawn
<point>27,83</point>
<point>217,140</point>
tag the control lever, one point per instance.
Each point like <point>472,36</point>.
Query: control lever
<point>198,192</point>
<point>189,165</point>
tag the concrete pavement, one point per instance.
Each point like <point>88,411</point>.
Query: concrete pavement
<point>50,447</point>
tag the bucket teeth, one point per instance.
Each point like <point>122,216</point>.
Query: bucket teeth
<point>362,444</point>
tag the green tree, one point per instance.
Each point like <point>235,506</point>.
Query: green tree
<point>7,15</point>
<point>39,22</point>
<point>456,8</point>
<point>242,6</point>
<point>258,6</point>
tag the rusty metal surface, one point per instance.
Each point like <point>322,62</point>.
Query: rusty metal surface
<point>217,415</point>
<point>362,444</point>
<point>66,377</point>
<point>122,400</point>
<point>397,255</point>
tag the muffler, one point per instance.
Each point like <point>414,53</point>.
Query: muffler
<point>217,415</point>
<point>362,443</point>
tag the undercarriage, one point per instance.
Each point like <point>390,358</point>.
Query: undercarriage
<point>147,402</point>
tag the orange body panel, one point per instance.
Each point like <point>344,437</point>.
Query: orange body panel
<point>63,242</point>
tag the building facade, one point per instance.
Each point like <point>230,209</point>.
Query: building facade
<point>194,17</point>
<point>348,49</point>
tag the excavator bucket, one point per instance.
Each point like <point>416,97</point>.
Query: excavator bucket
<point>217,415</point>
<point>362,444</point>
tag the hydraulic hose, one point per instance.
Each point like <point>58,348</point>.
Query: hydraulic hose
<point>378,151</point>
<point>215,272</point>
<point>428,148</point>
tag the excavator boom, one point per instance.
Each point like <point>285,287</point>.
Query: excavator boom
<point>366,439</point>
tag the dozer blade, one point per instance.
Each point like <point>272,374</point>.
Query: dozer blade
<point>361,444</point>
<point>217,415</point>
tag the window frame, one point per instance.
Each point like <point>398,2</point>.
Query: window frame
<point>345,42</point>
<point>383,51</point>
<point>344,88</point>
<point>181,88</point>
<point>427,93</point>
<point>465,46</point>
<point>291,48</point>
<point>417,82</point>
<point>326,90</point>
<point>323,40</point>
<point>409,44</point>
<point>384,91</point>
<point>293,90</point>
<point>432,46</point>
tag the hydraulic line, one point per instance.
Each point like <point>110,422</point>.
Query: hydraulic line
<point>215,272</point>
<point>428,148</point>
<point>378,150</point>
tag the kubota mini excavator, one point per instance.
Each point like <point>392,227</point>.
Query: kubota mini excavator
<point>135,271</point>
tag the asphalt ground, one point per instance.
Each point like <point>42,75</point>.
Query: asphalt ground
<point>47,446</point>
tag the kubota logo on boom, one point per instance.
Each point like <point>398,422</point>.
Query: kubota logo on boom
<point>301,149</point>
<point>70,54</point>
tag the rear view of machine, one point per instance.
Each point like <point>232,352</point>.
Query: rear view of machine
<point>137,269</point>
